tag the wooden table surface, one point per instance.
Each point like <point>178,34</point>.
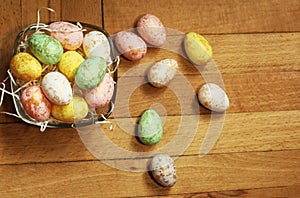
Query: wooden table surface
<point>256,46</point>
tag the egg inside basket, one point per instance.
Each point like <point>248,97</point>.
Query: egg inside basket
<point>94,114</point>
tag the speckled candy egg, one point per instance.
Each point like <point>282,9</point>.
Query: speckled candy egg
<point>35,103</point>
<point>90,73</point>
<point>102,94</point>
<point>76,110</point>
<point>213,97</point>
<point>25,67</point>
<point>69,64</point>
<point>95,43</point>
<point>45,48</point>
<point>151,30</point>
<point>197,48</point>
<point>57,88</point>
<point>163,170</point>
<point>162,72</point>
<point>150,128</point>
<point>69,35</point>
<point>130,45</point>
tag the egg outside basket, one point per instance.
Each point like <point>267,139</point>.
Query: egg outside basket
<point>16,87</point>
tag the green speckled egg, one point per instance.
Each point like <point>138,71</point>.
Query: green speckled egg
<point>90,73</point>
<point>150,128</point>
<point>45,48</point>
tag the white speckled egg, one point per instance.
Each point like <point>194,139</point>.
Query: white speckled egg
<point>162,72</point>
<point>163,170</point>
<point>57,88</point>
<point>95,43</point>
<point>213,97</point>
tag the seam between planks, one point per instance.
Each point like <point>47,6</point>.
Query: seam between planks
<point>141,158</point>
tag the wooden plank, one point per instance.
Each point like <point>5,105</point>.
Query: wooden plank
<point>273,192</point>
<point>207,17</point>
<point>195,175</point>
<point>243,132</point>
<point>87,11</point>
<point>234,53</point>
<point>247,93</point>
<point>31,7</point>
<point>10,25</point>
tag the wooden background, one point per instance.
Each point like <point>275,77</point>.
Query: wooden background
<point>256,46</point>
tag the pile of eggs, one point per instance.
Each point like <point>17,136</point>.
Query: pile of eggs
<point>77,59</point>
<point>133,46</point>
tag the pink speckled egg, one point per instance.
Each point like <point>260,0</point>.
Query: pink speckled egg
<point>35,103</point>
<point>101,95</point>
<point>130,45</point>
<point>151,30</point>
<point>69,35</point>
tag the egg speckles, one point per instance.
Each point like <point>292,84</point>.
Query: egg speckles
<point>102,94</point>
<point>197,48</point>
<point>162,72</point>
<point>151,30</point>
<point>45,48</point>
<point>150,129</point>
<point>35,103</point>
<point>57,88</point>
<point>95,43</point>
<point>213,97</point>
<point>25,67</point>
<point>163,170</point>
<point>68,34</point>
<point>130,45</point>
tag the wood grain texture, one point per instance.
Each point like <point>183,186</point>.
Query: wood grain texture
<point>195,174</point>
<point>31,7</point>
<point>274,192</point>
<point>247,93</point>
<point>243,132</point>
<point>233,53</point>
<point>256,50</point>
<point>207,16</point>
<point>88,11</point>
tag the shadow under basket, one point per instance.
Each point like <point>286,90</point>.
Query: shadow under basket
<point>94,116</point>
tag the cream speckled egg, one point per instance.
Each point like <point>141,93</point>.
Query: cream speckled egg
<point>76,110</point>
<point>69,64</point>
<point>57,88</point>
<point>197,48</point>
<point>130,45</point>
<point>95,43</point>
<point>213,97</point>
<point>151,30</point>
<point>102,94</point>
<point>163,170</point>
<point>69,35</point>
<point>25,67</point>
<point>162,72</point>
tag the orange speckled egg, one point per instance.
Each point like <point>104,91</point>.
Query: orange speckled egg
<point>25,67</point>
<point>35,103</point>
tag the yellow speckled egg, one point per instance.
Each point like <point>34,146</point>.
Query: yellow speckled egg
<point>25,67</point>
<point>69,64</point>
<point>76,110</point>
<point>197,48</point>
